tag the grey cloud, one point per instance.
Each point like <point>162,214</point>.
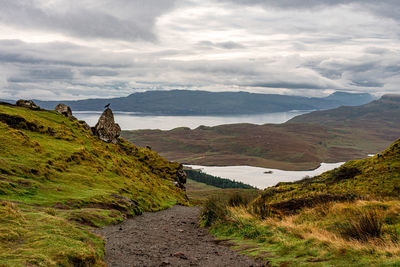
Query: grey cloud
<point>387,8</point>
<point>376,50</point>
<point>333,74</point>
<point>229,45</point>
<point>99,72</point>
<point>292,3</point>
<point>296,4</point>
<point>223,45</point>
<point>368,83</point>
<point>220,67</point>
<point>288,85</point>
<point>42,74</point>
<point>15,51</point>
<point>393,69</point>
<point>118,19</point>
<point>54,74</point>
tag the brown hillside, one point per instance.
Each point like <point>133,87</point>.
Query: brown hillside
<point>302,143</point>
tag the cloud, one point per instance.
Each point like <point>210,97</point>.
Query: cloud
<point>69,50</point>
<point>367,83</point>
<point>43,74</point>
<point>387,8</point>
<point>99,72</point>
<point>288,85</point>
<point>223,45</point>
<point>117,19</point>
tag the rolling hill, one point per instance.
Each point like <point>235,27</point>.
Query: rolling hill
<point>58,181</point>
<point>304,142</point>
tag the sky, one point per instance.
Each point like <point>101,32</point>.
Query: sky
<point>77,49</point>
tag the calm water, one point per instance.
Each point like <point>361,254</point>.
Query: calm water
<point>135,121</point>
<point>257,177</point>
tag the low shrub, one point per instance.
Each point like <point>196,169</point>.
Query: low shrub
<point>214,209</point>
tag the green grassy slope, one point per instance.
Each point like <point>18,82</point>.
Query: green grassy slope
<point>375,177</point>
<point>349,216</point>
<point>56,180</point>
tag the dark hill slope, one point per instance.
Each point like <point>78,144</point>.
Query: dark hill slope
<point>56,180</point>
<point>185,102</point>
<point>304,142</point>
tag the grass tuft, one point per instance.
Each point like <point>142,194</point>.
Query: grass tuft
<point>369,224</point>
<point>214,209</point>
<point>264,210</point>
<point>237,199</point>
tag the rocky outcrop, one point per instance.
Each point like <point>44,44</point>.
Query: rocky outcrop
<point>27,104</point>
<point>106,129</point>
<point>180,177</point>
<point>64,110</point>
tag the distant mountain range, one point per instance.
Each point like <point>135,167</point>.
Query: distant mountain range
<point>186,102</point>
<point>303,142</point>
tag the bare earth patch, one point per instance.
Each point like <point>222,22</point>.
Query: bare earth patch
<point>167,238</point>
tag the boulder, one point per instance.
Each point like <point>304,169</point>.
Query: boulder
<point>64,110</point>
<point>27,104</point>
<point>106,129</point>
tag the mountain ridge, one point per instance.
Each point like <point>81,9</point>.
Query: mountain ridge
<point>187,102</point>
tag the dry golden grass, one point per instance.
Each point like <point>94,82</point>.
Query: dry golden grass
<point>312,229</point>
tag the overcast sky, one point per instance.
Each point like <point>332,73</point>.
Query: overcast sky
<point>75,49</point>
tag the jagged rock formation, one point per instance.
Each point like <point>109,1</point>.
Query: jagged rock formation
<point>180,177</point>
<point>27,104</point>
<point>64,110</point>
<point>106,128</point>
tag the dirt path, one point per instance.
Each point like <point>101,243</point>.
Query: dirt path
<point>167,238</point>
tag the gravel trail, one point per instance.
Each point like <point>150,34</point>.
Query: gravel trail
<point>170,237</point>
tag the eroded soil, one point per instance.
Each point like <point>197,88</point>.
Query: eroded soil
<point>167,238</point>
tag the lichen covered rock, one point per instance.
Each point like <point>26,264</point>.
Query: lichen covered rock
<point>106,128</point>
<point>64,110</point>
<point>27,104</point>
